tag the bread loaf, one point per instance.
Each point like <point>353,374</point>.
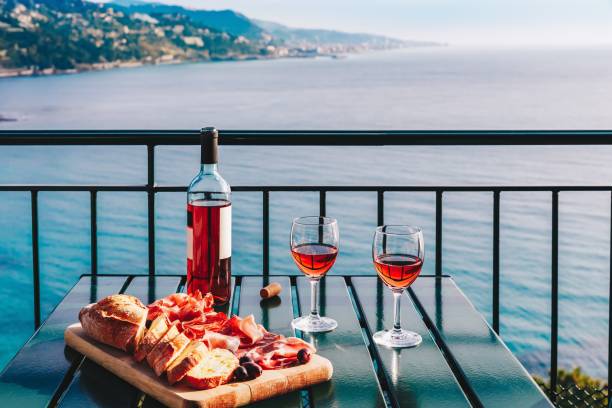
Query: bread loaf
<point>116,320</point>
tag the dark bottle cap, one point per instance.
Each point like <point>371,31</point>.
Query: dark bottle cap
<point>209,138</point>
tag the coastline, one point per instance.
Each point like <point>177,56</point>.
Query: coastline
<point>164,60</point>
<point>102,66</point>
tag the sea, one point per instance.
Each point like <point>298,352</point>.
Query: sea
<point>416,88</point>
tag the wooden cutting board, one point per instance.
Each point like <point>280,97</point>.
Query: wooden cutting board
<point>270,384</point>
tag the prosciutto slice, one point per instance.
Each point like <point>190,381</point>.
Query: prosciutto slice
<point>244,329</point>
<point>181,306</point>
<point>281,353</point>
<point>218,340</point>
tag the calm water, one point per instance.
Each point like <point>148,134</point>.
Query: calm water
<point>444,88</point>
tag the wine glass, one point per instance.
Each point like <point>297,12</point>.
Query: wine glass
<point>314,247</point>
<point>398,253</point>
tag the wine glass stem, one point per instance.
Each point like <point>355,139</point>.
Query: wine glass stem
<point>314,299</point>
<point>397,294</point>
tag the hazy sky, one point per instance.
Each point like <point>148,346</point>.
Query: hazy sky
<point>454,21</point>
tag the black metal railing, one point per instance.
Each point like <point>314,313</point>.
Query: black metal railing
<point>151,139</point>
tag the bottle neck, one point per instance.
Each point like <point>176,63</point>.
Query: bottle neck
<point>209,168</point>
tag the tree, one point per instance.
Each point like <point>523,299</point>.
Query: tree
<point>577,389</point>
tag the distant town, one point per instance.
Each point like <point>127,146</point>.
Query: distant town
<point>45,37</point>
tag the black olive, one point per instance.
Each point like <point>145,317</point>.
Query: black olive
<point>245,359</point>
<point>253,369</point>
<point>241,374</point>
<point>303,356</point>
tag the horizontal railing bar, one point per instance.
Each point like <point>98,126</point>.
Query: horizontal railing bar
<point>244,275</point>
<point>402,188</point>
<point>310,138</point>
<point>72,187</point>
<point>294,188</point>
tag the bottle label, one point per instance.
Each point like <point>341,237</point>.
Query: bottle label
<point>225,232</point>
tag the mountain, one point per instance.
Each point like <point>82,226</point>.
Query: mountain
<point>227,21</point>
<point>238,24</point>
<point>302,36</point>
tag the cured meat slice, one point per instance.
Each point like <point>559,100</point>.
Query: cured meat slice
<point>267,338</point>
<point>218,340</point>
<point>198,326</point>
<point>181,306</point>
<point>193,313</point>
<point>281,353</point>
<point>245,329</point>
<point>251,329</point>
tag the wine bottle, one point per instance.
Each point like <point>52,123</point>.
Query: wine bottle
<point>209,225</point>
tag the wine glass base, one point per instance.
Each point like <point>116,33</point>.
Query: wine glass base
<point>309,324</point>
<point>403,339</point>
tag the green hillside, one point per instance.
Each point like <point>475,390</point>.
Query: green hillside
<point>71,34</point>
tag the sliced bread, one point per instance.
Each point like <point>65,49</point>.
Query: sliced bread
<point>216,368</point>
<point>168,348</point>
<point>170,352</point>
<point>156,331</point>
<point>189,358</point>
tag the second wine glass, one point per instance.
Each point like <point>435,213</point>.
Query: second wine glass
<point>314,247</point>
<point>398,252</point>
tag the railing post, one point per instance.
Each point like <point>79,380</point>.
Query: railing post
<point>35,259</point>
<point>322,203</point>
<point>266,233</point>
<point>439,232</point>
<point>322,211</point>
<point>610,311</point>
<point>380,207</point>
<point>380,220</point>
<point>554,320</point>
<point>496,197</point>
<point>94,231</point>
<point>151,205</point>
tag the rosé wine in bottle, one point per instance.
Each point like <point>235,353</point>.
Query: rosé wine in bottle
<point>209,226</point>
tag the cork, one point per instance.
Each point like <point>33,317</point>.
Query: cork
<point>271,290</point>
